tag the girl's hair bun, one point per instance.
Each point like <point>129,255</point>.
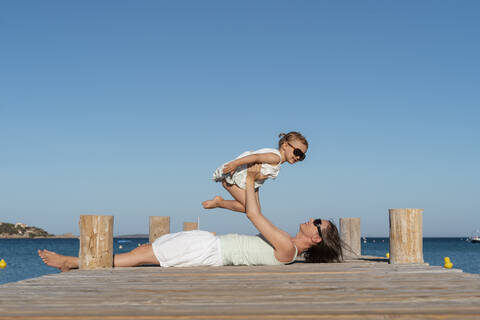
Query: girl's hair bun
<point>292,135</point>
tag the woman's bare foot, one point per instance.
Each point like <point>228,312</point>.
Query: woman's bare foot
<point>211,204</point>
<point>61,262</point>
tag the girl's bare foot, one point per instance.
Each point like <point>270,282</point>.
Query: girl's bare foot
<point>211,204</point>
<point>61,262</point>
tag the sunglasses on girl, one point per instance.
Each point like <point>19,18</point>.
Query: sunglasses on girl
<point>297,152</point>
<point>317,223</point>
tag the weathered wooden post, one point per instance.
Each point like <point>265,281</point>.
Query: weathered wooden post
<point>96,242</point>
<point>158,227</point>
<point>187,226</point>
<point>350,236</point>
<point>406,236</point>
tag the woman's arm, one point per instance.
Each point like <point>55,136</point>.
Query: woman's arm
<point>269,157</point>
<point>279,239</point>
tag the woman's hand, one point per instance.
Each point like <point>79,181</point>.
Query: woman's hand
<point>229,168</point>
<point>253,172</point>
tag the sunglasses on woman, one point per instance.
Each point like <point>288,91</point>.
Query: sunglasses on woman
<point>317,223</point>
<point>297,152</point>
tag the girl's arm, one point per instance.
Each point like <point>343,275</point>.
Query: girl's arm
<point>279,239</point>
<point>269,157</point>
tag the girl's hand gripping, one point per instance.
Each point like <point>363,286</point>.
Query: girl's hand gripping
<point>253,172</point>
<point>229,168</point>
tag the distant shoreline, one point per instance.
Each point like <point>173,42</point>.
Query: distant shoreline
<point>66,236</point>
<point>69,236</point>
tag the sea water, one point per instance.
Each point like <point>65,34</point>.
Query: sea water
<point>23,262</point>
<point>463,254</point>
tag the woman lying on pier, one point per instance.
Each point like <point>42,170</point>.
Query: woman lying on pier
<point>318,239</point>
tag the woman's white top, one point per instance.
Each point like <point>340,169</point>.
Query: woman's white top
<point>239,177</point>
<point>237,249</point>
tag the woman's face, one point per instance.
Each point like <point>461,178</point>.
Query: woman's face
<point>310,229</point>
<point>289,148</point>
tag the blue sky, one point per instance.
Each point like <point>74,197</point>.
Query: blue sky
<point>127,107</point>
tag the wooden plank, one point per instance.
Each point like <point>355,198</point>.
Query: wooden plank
<point>353,290</point>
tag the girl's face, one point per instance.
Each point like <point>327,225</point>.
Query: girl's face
<point>290,147</point>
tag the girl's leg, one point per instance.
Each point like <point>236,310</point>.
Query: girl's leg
<point>212,204</point>
<point>136,257</point>
<point>238,194</point>
<point>235,205</point>
<point>219,202</point>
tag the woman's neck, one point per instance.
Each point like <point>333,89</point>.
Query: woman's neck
<point>301,242</point>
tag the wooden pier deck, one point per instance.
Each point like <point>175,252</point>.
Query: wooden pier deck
<point>363,289</point>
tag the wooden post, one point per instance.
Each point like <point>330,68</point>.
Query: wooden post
<point>96,242</point>
<point>406,236</point>
<point>187,226</point>
<point>158,227</point>
<point>350,236</point>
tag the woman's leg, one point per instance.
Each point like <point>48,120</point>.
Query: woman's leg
<point>61,262</point>
<point>138,256</point>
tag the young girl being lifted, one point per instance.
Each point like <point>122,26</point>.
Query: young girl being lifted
<point>291,148</point>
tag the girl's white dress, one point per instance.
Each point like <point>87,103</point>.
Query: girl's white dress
<point>239,177</point>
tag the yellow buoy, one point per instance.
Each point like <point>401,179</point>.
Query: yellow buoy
<point>448,264</point>
<point>3,264</point>
<point>388,255</point>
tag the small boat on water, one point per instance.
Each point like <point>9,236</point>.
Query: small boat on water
<point>474,237</point>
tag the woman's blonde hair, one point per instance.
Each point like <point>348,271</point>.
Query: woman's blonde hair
<point>292,135</point>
